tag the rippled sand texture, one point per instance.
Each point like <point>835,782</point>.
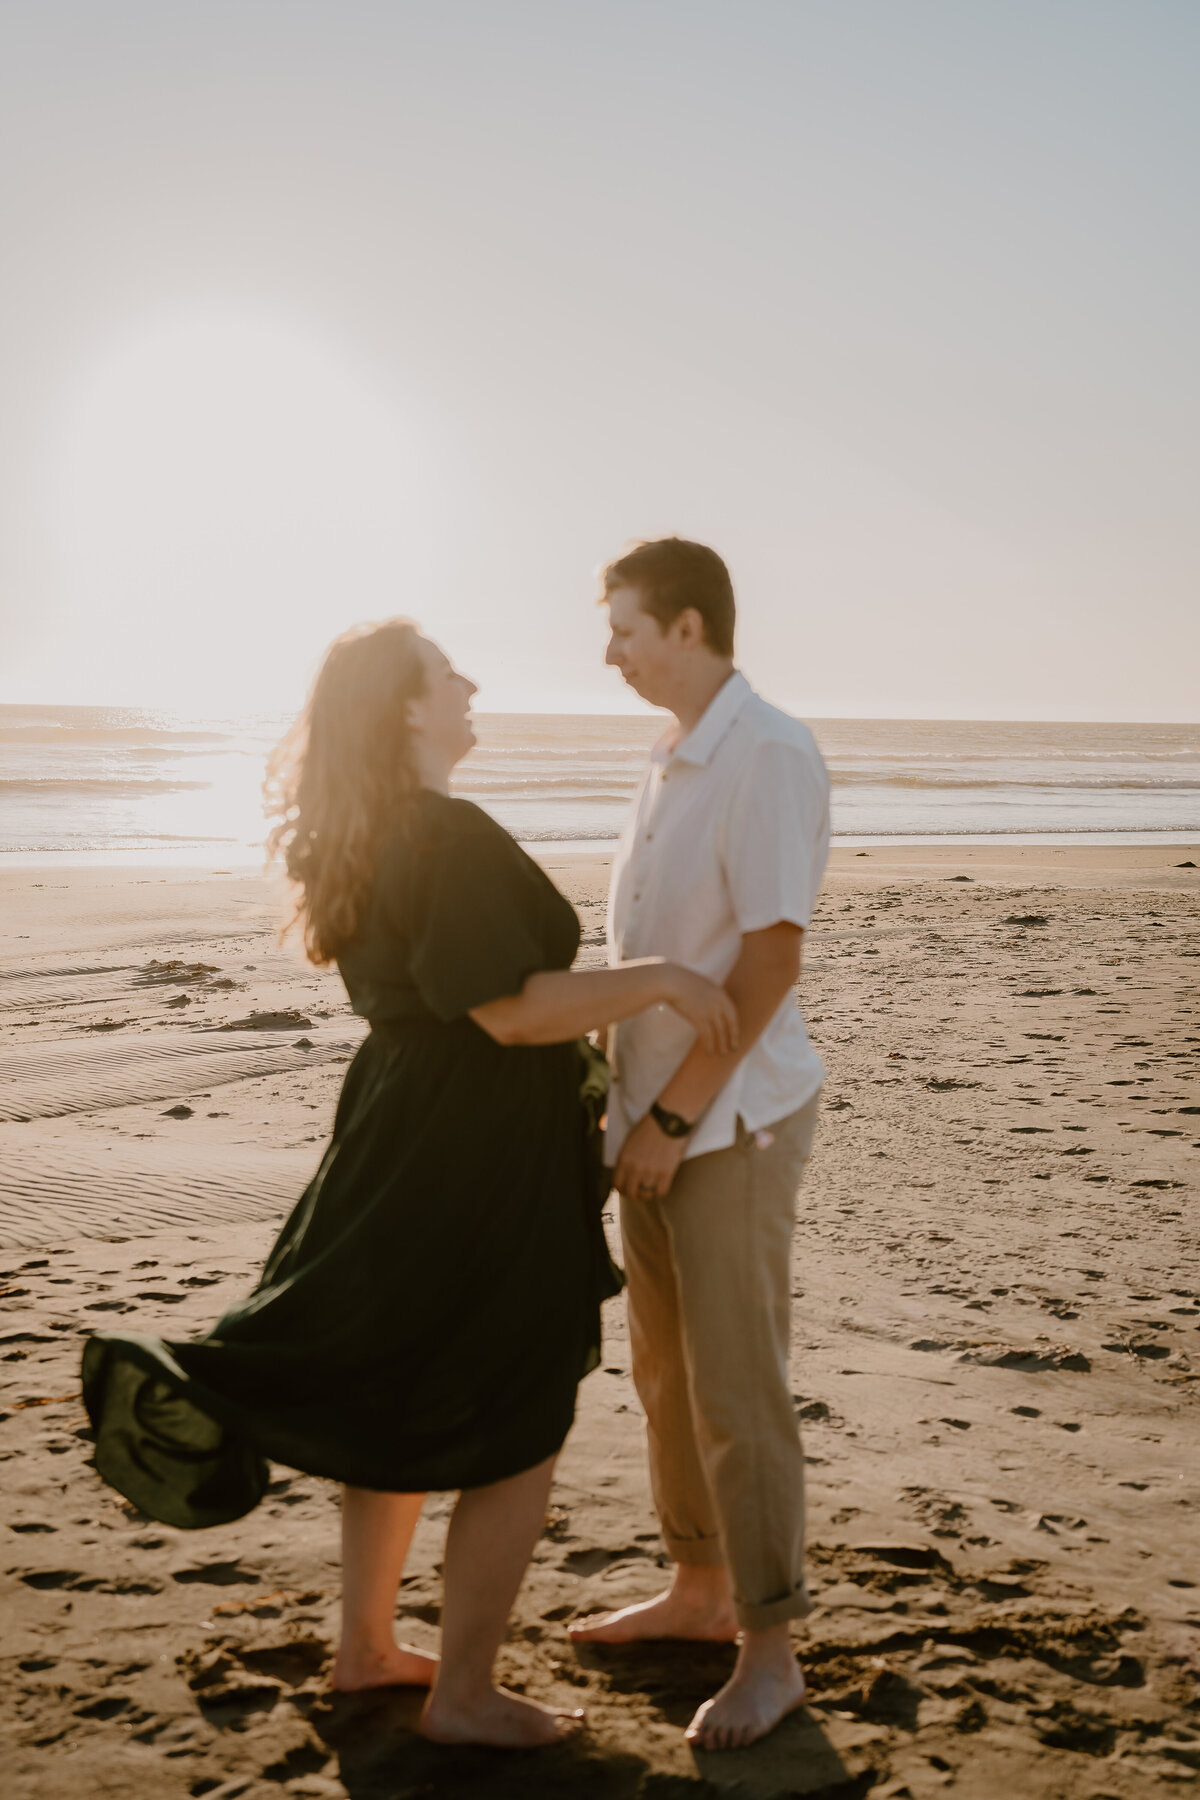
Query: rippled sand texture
<point>996,1359</point>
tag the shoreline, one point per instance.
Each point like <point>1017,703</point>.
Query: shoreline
<point>1166,858</point>
<point>1184,839</point>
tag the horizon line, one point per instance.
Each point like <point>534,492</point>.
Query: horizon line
<point>578,711</point>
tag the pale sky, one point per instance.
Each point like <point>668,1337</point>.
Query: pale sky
<point>319,312</point>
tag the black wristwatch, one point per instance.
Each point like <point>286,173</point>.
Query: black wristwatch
<point>671,1123</point>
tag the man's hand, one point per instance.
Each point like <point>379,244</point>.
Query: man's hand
<point>758,984</point>
<point>648,1162</point>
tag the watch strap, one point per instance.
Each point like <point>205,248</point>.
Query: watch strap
<point>672,1123</point>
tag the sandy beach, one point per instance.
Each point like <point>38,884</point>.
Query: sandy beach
<point>996,1357</point>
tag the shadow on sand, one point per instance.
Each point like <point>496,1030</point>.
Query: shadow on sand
<point>381,1756</point>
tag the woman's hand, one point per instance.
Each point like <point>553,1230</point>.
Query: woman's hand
<point>706,1006</point>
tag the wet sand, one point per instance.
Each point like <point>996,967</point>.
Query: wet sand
<point>996,1357</point>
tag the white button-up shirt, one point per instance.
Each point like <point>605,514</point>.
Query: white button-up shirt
<point>729,834</point>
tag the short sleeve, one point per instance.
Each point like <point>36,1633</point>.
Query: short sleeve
<point>474,925</point>
<point>776,836</point>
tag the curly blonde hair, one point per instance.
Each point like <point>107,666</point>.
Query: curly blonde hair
<point>343,772</point>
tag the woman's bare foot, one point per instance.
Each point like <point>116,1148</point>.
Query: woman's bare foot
<point>765,1686</point>
<point>498,1718</point>
<point>395,1665</point>
<point>706,1618</point>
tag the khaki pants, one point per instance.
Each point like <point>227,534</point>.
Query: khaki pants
<point>709,1303</point>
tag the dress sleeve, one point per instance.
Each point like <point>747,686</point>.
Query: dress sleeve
<point>776,836</point>
<point>475,932</point>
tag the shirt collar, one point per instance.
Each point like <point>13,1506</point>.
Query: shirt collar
<point>698,746</point>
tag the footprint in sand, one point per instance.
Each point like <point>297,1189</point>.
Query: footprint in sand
<point>217,1574</point>
<point>595,1561</point>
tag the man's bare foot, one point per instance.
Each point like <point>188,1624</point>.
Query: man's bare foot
<point>752,1702</point>
<point>498,1718</point>
<point>705,1618</point>
<point>399,1665</point>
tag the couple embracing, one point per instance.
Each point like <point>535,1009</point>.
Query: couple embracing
<point>433,1301</point>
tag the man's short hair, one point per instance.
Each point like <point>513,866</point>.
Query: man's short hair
<point>669,575</point>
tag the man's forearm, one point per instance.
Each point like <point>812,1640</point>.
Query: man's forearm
<point>758,983</point>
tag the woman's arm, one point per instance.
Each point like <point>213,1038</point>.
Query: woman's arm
<point>556,1005</point>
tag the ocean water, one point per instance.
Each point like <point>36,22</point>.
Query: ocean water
<point>123,785</point>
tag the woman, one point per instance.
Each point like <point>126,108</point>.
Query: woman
<point>434,1299</point>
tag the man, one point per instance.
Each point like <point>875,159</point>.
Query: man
<point>718,869</point>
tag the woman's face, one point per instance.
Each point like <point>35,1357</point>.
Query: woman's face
<point>440,717</point>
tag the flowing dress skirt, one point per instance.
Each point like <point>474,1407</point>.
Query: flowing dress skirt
<point>426,1313</point>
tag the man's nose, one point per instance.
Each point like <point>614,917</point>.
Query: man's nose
<point>611,655</point>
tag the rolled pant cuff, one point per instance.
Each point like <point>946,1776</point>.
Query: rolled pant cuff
<point>796,1605</point>
<point>702,1552</point>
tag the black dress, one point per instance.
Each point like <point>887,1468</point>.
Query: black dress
<point>434,1299</point>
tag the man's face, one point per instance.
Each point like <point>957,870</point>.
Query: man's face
<point>638,647</point>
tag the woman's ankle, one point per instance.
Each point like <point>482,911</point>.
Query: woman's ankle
<point>365,1646</point>
<point>462,1689</point>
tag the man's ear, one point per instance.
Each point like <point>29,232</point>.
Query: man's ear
<point>689,627</point>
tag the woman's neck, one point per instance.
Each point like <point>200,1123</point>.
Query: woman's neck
<point>433,771</point>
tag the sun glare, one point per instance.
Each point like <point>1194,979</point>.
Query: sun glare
<point>225,493</point>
